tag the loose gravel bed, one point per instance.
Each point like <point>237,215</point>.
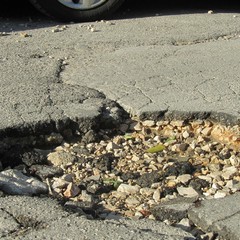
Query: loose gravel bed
<point>145,166</point>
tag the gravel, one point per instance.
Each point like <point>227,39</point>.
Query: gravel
<point>148,165</point>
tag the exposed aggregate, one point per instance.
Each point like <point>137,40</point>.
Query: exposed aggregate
<point>200,159</point>
<point>121,177</point>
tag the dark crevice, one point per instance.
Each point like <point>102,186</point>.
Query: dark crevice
<point>25,224</point>
<point>60,68</point>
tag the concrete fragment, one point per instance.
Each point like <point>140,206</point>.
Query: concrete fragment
<point>16,183</point>
<point>184,178</point>
<point>225,223</point>
<point>174,210</point>
<point>229,172</point>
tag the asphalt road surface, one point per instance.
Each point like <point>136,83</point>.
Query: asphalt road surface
<point>169,59</point>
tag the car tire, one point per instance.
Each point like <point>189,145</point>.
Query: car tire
<point>69,11</point>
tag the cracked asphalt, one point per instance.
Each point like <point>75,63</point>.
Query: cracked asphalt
<point>164,63</point>
<point>178,66</point>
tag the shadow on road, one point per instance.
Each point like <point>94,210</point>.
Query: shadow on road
<point>18,15</point>
<point>136,8</point>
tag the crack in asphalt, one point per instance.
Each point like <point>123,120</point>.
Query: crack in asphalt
<point>142,92</point>
<point>233,91</point>
<point>204,97</point>
<point>59,69</point>
<point>220,37</point>
<point>214,224</point>
<point>9,233</point>
<point>24,224</point>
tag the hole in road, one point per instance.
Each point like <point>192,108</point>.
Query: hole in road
<point>130,174</point>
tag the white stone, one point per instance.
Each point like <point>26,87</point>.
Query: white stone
<point>207,178</point>
<point>234,160</point>
<point>86,197</point>
<point>119,195</point>
<point>60,158</point>
<point>151,217</point>
<point>138,214</point>
<point>132,201</point>
<point>148,123</point>
<point>229,172</point>
<point>187,192</point>
<point>157,138</point>
<point>112,146</point>
<point>156,185</point>
<point>157,195</point>
<point>129,189</point>
<point>214,167</point>
<point>135,158</point>
<point>136,126</point>
<point>184,224</point>
<point>229,184</point>
<point>212,191</point>
<point>177,123</point>
<point>206,131</point>
<point>184,178</point>
<point>147,191</point>
<point>206,148</point>
<point>215,175</point>
<point>215,186</point>
<point>59,183</point>
<point>192,145</point>
<point>200,139</point>
<point>185,134</point>
<point>220,194</point>
<point>162,123</point>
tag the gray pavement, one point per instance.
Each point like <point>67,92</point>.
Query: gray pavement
<point>49,221</point>
<point>220,216</point>
<point>179,66</point>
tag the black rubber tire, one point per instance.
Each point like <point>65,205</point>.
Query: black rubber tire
<point>57,10</point>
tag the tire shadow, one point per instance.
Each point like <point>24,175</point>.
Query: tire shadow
<point>139,9</point>
<point>18,15</point>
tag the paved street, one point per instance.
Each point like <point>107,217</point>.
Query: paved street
<point>173,63</point>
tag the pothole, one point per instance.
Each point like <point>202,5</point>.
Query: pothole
<point>136,170</point>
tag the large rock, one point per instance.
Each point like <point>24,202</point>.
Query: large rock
<point>15,182</point>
